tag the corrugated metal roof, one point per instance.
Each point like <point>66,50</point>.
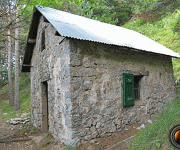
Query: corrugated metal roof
<point>74,26</point>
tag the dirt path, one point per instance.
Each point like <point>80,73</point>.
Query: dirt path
<point>11,139</point>
<point>117,141</point>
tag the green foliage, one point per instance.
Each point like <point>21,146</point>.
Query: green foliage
<point>160,6</point>
<point>123,11</point>
<point>3,72</point>
<point>25,99</point>
<point>29,5</point>
<point>139,5</point>
<point>176,27</point>
<point>28,129</point>
<point>47,140</point>
<point>71,148</point>
<point>109,11</point>
<point>2,46</point>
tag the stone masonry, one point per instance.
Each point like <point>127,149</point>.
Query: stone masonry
<point>85,86</point>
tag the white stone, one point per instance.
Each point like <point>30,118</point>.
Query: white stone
<point>17,114</point>
<point>16,119</point>
<point>142,126</point>
<point>93,141</point>
<point>24,114</point>
<point>149,121</point>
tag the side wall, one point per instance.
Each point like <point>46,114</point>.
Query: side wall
<point>96,86</point>
<point>51,65</point>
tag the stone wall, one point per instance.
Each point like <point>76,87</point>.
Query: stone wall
<point>96,87</point>
<point>85,86</point>
<point>52,65</point>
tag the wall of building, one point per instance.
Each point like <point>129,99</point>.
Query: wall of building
<point>51,65</point>
<point>85,86</point>
<point>96,87</point>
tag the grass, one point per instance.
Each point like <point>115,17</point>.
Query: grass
<point>47,140</point>
<point>71,148</point>
<point>25,104</point>
<point>155,136</point>
<point>28,129</point>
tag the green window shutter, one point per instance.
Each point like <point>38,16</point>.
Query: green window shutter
<point>128,90</point>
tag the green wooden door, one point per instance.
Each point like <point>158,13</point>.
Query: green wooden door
<point>128,90</point>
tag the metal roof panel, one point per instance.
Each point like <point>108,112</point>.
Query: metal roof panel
<point>74,26</point>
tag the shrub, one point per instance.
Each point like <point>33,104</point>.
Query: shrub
<point>176,27</point>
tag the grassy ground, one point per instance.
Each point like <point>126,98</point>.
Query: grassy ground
<point>25,105</point>
<point>155,136</point>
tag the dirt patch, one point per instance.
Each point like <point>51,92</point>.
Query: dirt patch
<point>11,138</point>
<point>104,143</point>
<point>3,96</point>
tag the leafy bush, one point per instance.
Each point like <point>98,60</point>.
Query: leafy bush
<point>109,11</point>
<point>176,27</point>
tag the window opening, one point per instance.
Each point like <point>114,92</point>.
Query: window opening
<point>43,41</point>
<point>137,80</point>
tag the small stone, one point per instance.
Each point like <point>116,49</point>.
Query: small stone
<point>14,122</point>
<point>98,125</point>
<point>27,143</point>
<point>142,126</point>
<point>24,114</point>
<point>5,114</point>
<point>93,141</point>
<point>88,137</point>
<point>17,115</point>
<point>12,129</point>
<point>149,121</point>
<point>16,119</point>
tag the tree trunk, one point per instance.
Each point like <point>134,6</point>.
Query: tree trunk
<point>1,70</point>
<point>16,100</point>
<point>10,85</point>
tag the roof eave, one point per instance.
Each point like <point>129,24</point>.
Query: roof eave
<point>30,46</point>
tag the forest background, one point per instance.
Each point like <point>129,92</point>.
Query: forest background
<point>156,19</point>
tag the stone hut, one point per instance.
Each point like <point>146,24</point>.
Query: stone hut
<point>90,79</point>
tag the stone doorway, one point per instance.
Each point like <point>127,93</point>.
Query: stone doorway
<point>45,118</point>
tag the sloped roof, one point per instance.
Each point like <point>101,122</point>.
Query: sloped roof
<point>74,26</point>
